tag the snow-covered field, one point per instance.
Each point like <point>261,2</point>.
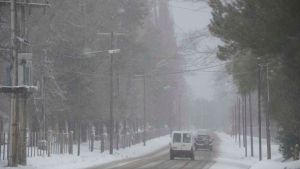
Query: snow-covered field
<point>90,159</point>
<point>230,156</point>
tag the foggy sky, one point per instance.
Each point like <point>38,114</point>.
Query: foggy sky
<point>186,19</point>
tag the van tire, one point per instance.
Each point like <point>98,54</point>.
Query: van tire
<point>192,155</point>
<point>171,156</point>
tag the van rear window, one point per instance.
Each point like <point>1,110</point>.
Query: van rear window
<point>176,137</point>
<point>187,138</point>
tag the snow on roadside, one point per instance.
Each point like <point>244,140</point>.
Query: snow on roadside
<point>230,156</point>
<point>90,159</point>
<point>276,163</point>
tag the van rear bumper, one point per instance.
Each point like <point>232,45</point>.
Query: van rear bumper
<point>181,153</point>
<point>203,146</point>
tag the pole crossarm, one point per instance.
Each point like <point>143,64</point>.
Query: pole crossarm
<point>18,89</point>
<point>37,3</point>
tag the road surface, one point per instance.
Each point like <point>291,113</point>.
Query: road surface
<point>161,160</point>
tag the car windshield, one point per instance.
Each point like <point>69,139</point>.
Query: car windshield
<point>186,138</point>
<point>203,137</point>
<point>176,137</point>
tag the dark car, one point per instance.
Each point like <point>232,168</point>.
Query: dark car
<point>204,142</point>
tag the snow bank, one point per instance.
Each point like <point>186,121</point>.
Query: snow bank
<point>231,156</point>
<point>277,165</point>
<point>90,159</point>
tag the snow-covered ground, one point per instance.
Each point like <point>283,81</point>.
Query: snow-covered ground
<point>230,156</point>
<point>90,159</point>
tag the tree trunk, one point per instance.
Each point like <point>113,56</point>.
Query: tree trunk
<point>117,134</point>
<point>79,137</point>
<point>102,136</point>
<point>84,133</point>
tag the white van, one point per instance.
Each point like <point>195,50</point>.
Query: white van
<point>182,144</point>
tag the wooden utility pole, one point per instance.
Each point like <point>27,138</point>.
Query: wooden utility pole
<point>144,117</point>
<point>15,139</point>
<point>23,99</point>
<point>259,111</point>
<point>268,117</point>
<point>245,115</point>
<point>235,124</point>
<point>243,120</point>
<point>239,121</point>
<point>23,129</point>
<point>78,136</point>
<point>111,86</point>
<point>43,92</point>
<point>111,103</point>
<point>181,120</point>
<point>14,133</point>
<point>251,125</point>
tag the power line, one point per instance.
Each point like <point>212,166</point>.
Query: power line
<point>192,70</point>
<point>189,9</point>
<point>202,69</point>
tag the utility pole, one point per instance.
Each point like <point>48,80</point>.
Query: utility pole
<point>13,128</point>
<point>239,121</point>
<point>111,103</point>
<point>181,120</point>
<point>268,117</point>
<point>144,118</point>
<point>251,124</point>
<point>246,137</point>
<point>43,92</point>
<point>111,89</point>
<point>22,159</point>
<point>235,124</point>
<point>259,110</point>
<point>243,120</point>
<point>15,117</point>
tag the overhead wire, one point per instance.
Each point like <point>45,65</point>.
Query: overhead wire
<point>189,9</point>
